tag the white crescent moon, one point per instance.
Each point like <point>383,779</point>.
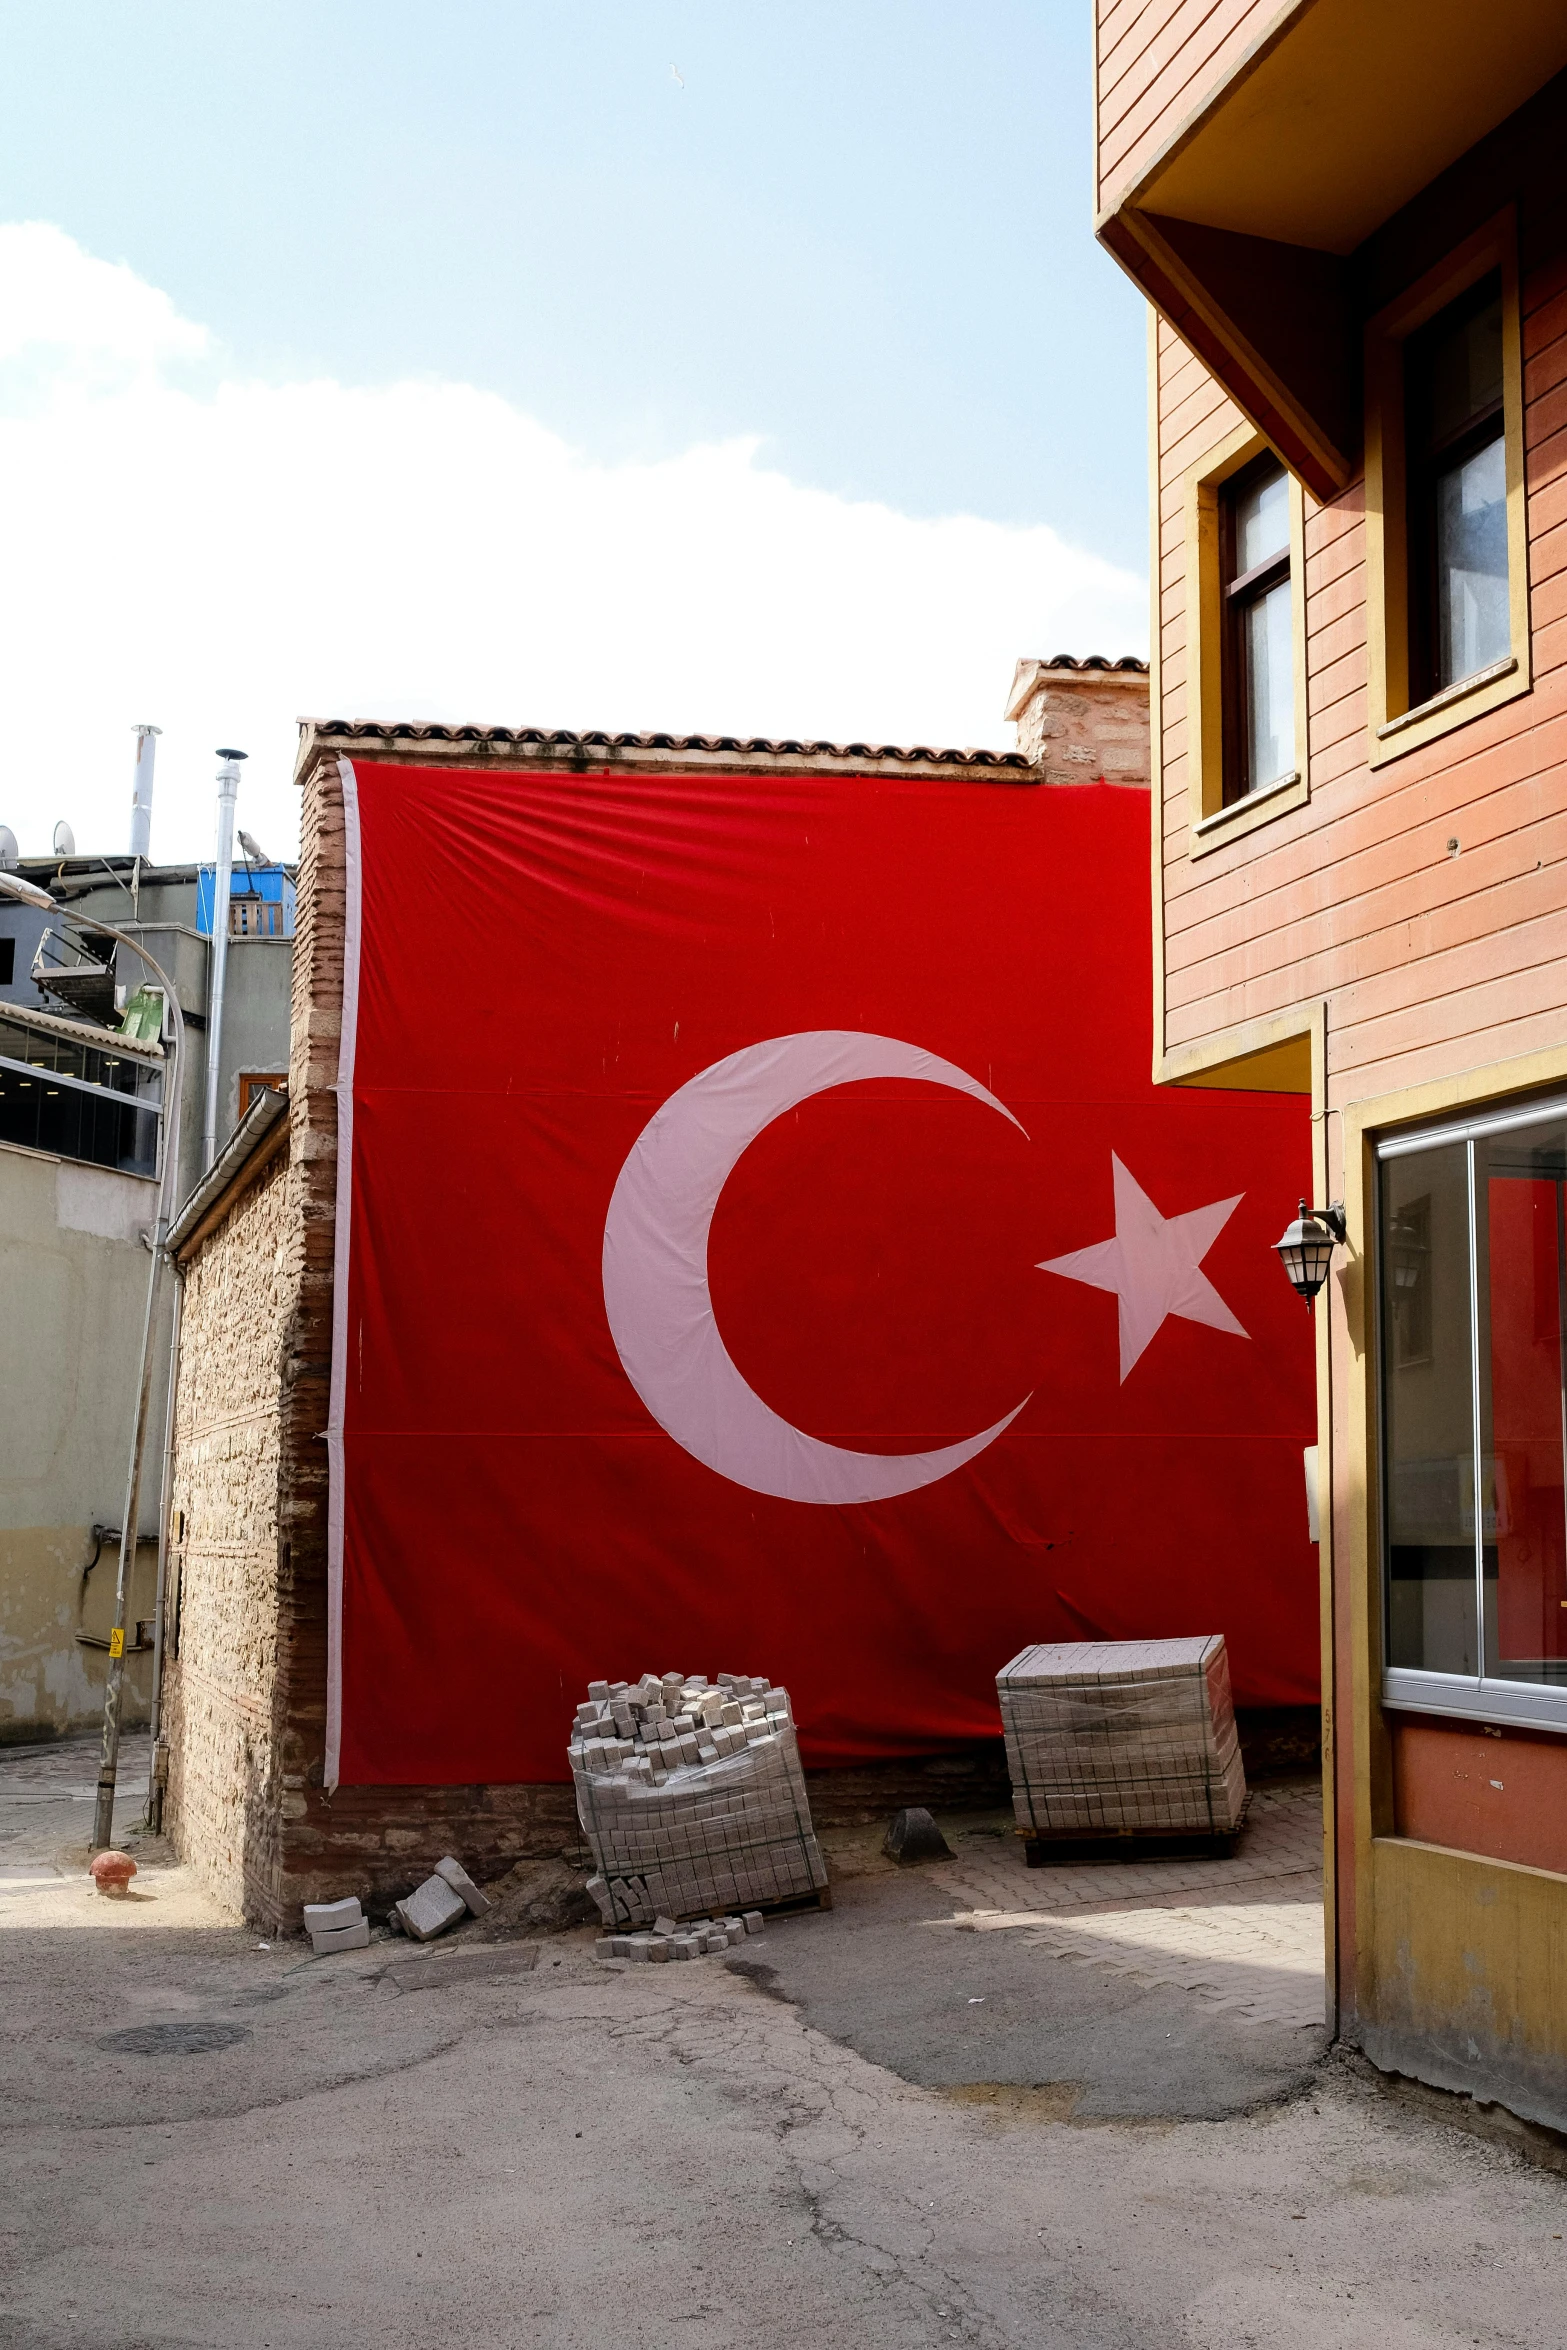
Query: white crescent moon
<point>655,1268</point>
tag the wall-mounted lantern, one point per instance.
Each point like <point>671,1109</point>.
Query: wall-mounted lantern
<point>1306,1251</point>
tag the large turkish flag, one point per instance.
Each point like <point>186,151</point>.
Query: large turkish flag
<point>767,1252</point>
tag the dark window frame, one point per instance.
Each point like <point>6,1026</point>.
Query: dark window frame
<point>254,1081</point>
<point>1428,460</point>
<point>1238,592</point>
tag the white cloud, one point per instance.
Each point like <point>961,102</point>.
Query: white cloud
<point>84,318</point>
<point>218,556</point>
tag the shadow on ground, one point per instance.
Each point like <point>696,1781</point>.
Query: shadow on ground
<point>887,1974</point>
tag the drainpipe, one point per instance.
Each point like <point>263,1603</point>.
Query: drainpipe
<point>228,793</point>
<point>156,1777</point>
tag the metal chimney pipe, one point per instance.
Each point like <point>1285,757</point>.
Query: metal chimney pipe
<point>141,790</point>
<point>228,793</point>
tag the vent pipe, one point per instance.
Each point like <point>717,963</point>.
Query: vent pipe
<point>222,891</point>
<point>141,791</point>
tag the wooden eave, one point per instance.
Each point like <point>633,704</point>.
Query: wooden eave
<point>1244,229</point>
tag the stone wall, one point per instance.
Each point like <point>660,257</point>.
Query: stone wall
<point>221,1613</point>
<point>1081,721</point>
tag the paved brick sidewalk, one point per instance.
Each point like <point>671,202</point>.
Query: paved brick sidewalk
<point>47,1795</point>
<point>1244,1934</point>
<point>1281,1844</point>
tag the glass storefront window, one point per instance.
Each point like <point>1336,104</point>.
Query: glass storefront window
<point>87,1097</point>
<point>1473,1278</point>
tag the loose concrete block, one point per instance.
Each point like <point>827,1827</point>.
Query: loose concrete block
<point>355,1937</point>
<point>752,1921</point>
<point>326,1917</point>
<point>658,1953</point>
<point>604,1947</point>
<point>476,1903</point>
<point>663,1925</point>
<point>430,1909</point>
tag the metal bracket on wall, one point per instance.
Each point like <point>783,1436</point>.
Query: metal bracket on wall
<point>140,1646</point>
<point>100,1535</point>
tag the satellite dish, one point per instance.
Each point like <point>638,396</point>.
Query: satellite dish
<point>9,852</point>
<point>64,840</point>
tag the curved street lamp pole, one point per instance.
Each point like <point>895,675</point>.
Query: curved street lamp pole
<point>13,885</point>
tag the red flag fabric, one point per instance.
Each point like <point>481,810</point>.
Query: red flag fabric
<point>762,1248</point>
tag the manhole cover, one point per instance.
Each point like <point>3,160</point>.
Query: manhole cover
<point>172,2039</point>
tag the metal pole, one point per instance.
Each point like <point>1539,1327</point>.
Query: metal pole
<point>228,793</point>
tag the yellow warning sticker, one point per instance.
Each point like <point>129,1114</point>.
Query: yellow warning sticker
<point>117,1641</point>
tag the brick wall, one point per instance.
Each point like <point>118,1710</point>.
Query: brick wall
<point>246,1709</point>
<point>1080,724</point>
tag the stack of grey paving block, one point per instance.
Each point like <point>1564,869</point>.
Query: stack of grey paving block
<point>336,1925</point>
<point>692,1798</point>
<point>697,1938</point>
<point>1123,1737</point>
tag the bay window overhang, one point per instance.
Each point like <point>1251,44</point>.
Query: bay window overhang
<point>1243,228</point>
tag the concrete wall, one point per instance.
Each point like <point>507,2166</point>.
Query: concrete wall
<point>73,1284</point>
<point>255,1019</point>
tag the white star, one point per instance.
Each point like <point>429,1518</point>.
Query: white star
<point>1153,1265</point>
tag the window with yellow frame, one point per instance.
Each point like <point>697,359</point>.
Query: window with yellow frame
<point>1447,586</point>
<point>1246,640</point>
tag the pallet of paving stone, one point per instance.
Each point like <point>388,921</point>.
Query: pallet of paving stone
<point>1117,1740</point>
<point>692,1799</point>
<point>796,1904</point>
<point>1130,1845</point>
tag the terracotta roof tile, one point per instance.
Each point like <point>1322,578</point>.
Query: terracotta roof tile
<point>334,733</point>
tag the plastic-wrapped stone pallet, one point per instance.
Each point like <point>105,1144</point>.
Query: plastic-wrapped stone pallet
<point>691,1797</point>
<point>1116,1737</point>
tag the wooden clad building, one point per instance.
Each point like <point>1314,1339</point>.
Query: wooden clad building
<point>1350,220</point>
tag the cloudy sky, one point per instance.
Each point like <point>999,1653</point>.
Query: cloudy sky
<point>740,367</point>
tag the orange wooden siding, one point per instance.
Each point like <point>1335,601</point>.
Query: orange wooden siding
<point>1156,61</point>
<point>1431,960</point>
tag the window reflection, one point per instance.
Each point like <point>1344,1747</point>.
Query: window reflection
<point>1519,1184</point>
<point>1460,609</point>
<point>1473,1270</point>
<point>1429,1413</point>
